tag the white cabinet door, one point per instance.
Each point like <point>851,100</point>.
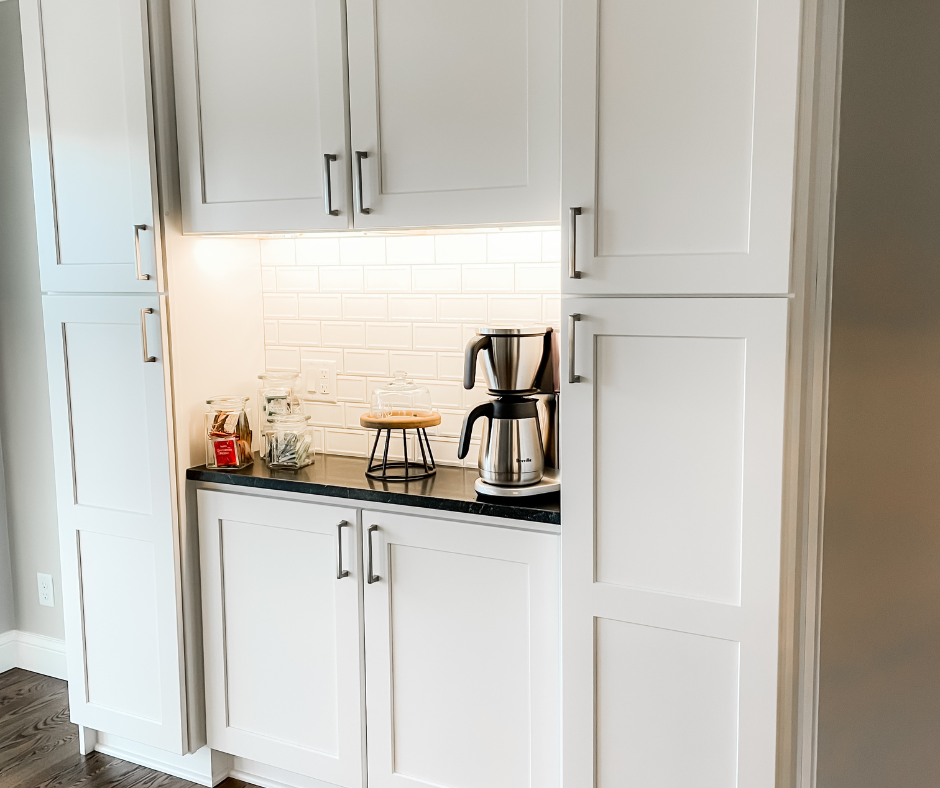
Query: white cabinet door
<point>281,624</point>
<point>88,96</point>
<point>456,107</point>
<point>462,673</point>
<point>671,507</point>
<point>260,105</point>
<point>678,137</point>
<point>117,530</point>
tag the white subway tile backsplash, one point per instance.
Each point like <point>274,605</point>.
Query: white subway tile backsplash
<point>298,278</point>
<point>444,394</point>
<point>340,279</point>
<point>469,332</point>
<point>317,251</point>
<point>444,450</point>
<point>282,359</point>
<point>387,278</point>
<point>350,389</point>
<point>538,278</point>
<point>450,366</point>
<point>487,278</point>
<point>509,247</point>
<point>551,309</point>
<point>366,362</point>
<point>353,412</point>
<point>343,333</point>
<point>436,279</point>
<point>438,336</point>
<point>389,336</point>
<point>365,307</point>
<point>323,354</point>
<point>277,251</point>
<point>412,307</point>
<point>320,307</point>
<point>416,365</point>
<point>299,332</point>
<point>515,308</point>
<point>551,246</point>
<point>461,308</point>
<point>460,248</point>
<point>362,251</point>
<point>270,332</point>
<point>349,442</point>
<point>409,249</point>
<point>451,423</point>
<point>326,414</point>
<point>280,305</point>
<point>269,280</point>
<point>372,382</point>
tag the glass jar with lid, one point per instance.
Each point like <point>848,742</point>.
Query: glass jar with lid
<point>228,435</point>
<point>277,395</point>
<point>401,397</point>
<point>288,441</point>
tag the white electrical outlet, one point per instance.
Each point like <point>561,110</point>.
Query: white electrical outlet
<point>319,380</point>
<point>46,591</point>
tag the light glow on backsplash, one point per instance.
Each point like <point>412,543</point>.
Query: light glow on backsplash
<point>375,303</point>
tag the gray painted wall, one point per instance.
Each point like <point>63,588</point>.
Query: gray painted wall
<point>7,612</point>
<point>25,428</point>
<point>879,694</point>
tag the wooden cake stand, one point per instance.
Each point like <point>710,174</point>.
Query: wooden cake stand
<point>401,470</point>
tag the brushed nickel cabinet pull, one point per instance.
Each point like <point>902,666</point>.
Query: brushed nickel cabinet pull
<point>573,272</point>
<point>137,229</point>
<point>340,572</point>
<point>572,322</point>
<point>360,155</point>
<point>372,578</point>
<point>143,333</point>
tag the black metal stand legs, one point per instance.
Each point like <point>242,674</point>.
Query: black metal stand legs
<point>407,470</point>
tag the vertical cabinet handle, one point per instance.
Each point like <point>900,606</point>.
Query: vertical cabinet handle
<point>371,578</point>
<point>360,155</point>
<point>143,333</point>
<point>327,185</point>
<point>137,229</point>
<point>572,322</point>
<point>340,572</point>
<point>573,272</point>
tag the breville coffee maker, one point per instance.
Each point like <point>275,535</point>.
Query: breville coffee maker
<point>518,451</point>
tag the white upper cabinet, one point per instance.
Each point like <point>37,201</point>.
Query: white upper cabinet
<point>261,115</point>
<point>672,533</point>
<point>454,111</point>
<point>87,65</point>
<point>117,538</point>
<point>678,136</point>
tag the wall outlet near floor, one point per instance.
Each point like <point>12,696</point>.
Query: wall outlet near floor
<point>318,380</point>
<point>46,591</point>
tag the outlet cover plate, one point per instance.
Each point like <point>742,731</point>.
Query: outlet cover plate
<point>46,590</point>
<point>318,380</point>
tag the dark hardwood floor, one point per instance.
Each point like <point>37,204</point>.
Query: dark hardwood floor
<point>39,746</point>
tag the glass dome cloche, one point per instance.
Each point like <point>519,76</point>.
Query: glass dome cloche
<point>401,397</point>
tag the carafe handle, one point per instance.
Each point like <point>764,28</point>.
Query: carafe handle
<point>474,346</point>
<point>483,409</point>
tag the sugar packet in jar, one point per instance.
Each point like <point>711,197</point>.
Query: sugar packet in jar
<point>228,434</point>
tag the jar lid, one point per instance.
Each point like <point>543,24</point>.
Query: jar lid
<point>279,377</point>
<point>289,420</point>
<point>519,331</point>
<point>227,401</point>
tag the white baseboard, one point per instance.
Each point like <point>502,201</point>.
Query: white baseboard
<point>203,767</point>
<point>35,653</point>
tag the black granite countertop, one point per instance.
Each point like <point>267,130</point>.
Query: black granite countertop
<point>449,490</point>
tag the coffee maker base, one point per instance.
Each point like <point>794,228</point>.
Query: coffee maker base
<point>549,484</point>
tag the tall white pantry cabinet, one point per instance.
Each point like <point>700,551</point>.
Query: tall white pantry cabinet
<point>678,156</point>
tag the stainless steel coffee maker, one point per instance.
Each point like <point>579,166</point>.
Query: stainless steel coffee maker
<point>518,451</point>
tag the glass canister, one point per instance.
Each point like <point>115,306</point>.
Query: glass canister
<point>401,397</point>
<point>288,441</point>
<point>277,395</point>
<point>228,435</point>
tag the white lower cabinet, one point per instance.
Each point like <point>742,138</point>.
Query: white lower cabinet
<point>281,634</point>
<point>455,640</point>
<point>462,654</point>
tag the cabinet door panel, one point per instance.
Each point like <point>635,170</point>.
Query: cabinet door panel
<point>456,105</point>
<point>281,634</point>
<point>681,157</point>
<point>461,655</point>
<point>671,556</point>
<point>117,526</point>
<point>90,115</point>
<point>260,100</point>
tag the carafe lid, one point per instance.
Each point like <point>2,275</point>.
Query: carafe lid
<point>509,330</point>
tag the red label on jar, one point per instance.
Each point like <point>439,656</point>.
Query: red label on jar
<point>225,452</point>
